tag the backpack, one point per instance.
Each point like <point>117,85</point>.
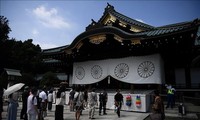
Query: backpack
<point>39,100</point>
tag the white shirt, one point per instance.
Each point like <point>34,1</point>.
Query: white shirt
<point>79,97</point>
<point>61,100</point>
<point>92,98</point>
<point>50,97</point>
<point>43,95</point>
<point>30,105</point>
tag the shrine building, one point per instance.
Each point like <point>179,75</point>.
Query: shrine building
<point>120,52</point>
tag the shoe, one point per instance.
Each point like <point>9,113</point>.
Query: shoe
<point>99,113</point>
<point>89,117</point>
<point>105,114</point>
<point>93,118</point>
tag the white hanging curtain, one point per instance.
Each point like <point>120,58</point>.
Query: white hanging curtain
<point>135,70</point>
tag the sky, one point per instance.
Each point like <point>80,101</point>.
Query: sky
<point>55,23</point>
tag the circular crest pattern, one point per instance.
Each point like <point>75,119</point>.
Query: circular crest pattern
<point>146,69</point>
<point>80,73</point>
<point>96,71</point>
<point>121,70</point>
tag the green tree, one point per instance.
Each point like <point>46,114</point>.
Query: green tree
<point>28,79</point>
<point>15,54</point>
<point>4,28</point>
<point>24,56</point>
<point>49,79</point>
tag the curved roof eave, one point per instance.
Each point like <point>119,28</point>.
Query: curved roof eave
<point>109,10</point>
<point>54,50</point>
<point>105,30</point>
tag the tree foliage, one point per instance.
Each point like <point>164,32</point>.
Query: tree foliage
<point>24,56</point>
<point>17,54</point>
<point>49,79</point>
<point>4,29</point>
<point>28,79</point>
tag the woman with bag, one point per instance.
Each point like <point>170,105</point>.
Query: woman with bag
<point>60,101</point>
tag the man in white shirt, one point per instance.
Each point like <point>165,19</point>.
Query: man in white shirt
<point>50,100</point>
<point>43,97</point>
<point>32,109</point>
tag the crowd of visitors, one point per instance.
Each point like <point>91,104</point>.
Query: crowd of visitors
<point>36,102</point>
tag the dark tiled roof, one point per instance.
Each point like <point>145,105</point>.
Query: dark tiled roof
<point>130,21</point>
<point>161,31</point>
<point>54,50</point>
<point>167,29</point>
<point>110,10</point>
<point>149,32</point>
<point>12,72</point>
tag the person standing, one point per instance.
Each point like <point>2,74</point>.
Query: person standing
<point>12,107</point>
<point>60,101</point>
<point>118,101</point>
<point>78,100</point>
<point>170,96</point>
<point>71,98</point>
<point>92,101</point>
<point>50,100</point>
<point>32,109</point>
<point>103,97</point>
<point>158,107</point>
<point>43,103</point>
<point>25,95</point>
<point>86,98</point>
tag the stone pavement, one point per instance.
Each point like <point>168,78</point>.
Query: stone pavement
<point>71,115</point>
<point>171,114</point>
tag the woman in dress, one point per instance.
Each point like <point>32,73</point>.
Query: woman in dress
<point>12,107</point>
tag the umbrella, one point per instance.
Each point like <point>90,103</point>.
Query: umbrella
<point>13,89</point>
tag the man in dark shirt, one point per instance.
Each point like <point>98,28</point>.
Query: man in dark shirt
<point>25,95</point>
<point>118,101</point>
<point>103,97</point>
